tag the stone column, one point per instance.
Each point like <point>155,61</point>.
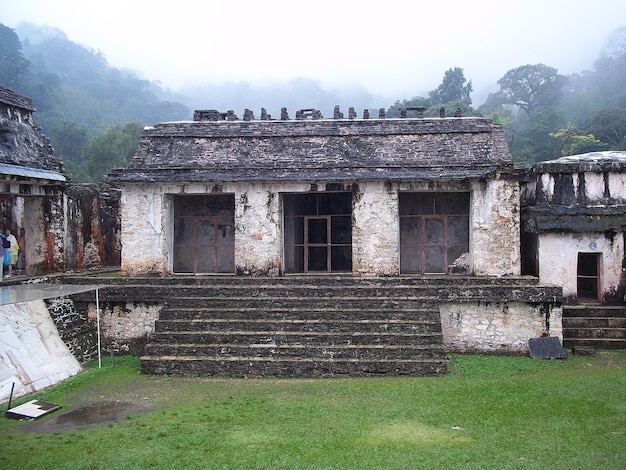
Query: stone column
<point>375,234</point>
<point>495,228</point>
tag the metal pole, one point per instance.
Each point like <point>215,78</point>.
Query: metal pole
<point>98,322</point>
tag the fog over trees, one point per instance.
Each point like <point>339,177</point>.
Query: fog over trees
<point>93,113</point>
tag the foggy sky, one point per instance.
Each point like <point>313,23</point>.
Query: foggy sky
<point>396,49</point>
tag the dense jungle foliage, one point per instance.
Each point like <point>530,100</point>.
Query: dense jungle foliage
<point>93,113</point>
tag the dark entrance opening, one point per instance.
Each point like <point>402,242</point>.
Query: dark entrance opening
<point>204,234</point>
<point>588,276</point>
<point>434,231</point>
<point>318,232</point>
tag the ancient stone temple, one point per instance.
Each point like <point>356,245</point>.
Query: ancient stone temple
<point>573,220</point>
<point>367,197</point>
<point>33,184</point>
<point>65,225</point>
<point>315,246</point>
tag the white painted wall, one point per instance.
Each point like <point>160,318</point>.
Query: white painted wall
<point>32,354</point>
<point>497,327</point>
<point>558,259</point>
<point>147,221</point>
<point>375,233</point>
<point>495,228</point>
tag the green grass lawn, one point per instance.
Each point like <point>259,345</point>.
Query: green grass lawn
<point>488,412</point>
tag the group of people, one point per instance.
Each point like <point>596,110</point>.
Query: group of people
<point>11,252</point>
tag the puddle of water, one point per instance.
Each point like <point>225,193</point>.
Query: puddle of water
<point>83,417</point>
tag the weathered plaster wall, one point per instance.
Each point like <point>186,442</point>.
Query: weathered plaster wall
<point>257,230</point>
<point>125,327</point>
<point>93,226</point>
<point>495,228</point>
<point>496,327</point>
<point>375,235</point>
<point>558,259</point>
<point>143,241</point>
<point>147,221</point>
<point>32,354</point>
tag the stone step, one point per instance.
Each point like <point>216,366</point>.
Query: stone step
<point>596,343</point>
<point>288,367</point>
<point>294,280</point>
<point>301,312</point>
<point>301,302</point>
<point>594,322</point>
<point>594,311</point>
<point>263,337</point>
<point>297,350</point>
<point>591,333</point>
<point>299,325</point>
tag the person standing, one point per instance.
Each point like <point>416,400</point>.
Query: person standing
<point>21,244</point>
<point>12,251</point>
<point>2,252</point>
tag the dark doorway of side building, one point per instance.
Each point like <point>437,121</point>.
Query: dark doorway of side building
<point>588,277</point>
<point>204,234</point>
<point>434,231</point>
<point>317,233</point>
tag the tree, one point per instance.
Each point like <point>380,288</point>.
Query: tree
<point>615,44</point>
<point>531,87</point>
<point>454,87</point>
<point>12,62</point>
<point>68,139</point>
<point>609,125</point>
<point>574,143</point>
<point>112,149</point>
<point>531,142</point>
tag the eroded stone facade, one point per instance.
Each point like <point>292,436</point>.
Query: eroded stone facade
<point>574,214</point>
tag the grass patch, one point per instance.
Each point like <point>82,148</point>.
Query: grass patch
<point>488,412</point>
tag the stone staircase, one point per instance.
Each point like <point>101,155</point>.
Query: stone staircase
<point>301,326</point>
<point>596,326</point>
<point>297,327</point>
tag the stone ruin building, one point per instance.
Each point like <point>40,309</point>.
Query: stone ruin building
<point>411,223</point>
<point>324,246</point>
<point>574,235</point>
<point>67,226</point>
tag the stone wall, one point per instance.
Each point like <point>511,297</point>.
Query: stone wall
<point>147,225</point>
<point>558,259</point>
<point>496,327</point>
<point>32,354</point>
<point>125,327</point>
<point>92,238</point>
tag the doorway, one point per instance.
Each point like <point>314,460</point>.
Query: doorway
<point>588,276</point>
<point>434,231</point>
<point>204,235</point>
<point>318,232</point>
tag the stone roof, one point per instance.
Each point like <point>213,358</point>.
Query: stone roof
<point>314,150</point>
<point>12,98</point>
<point>21,140</point>
<point>597,162</point>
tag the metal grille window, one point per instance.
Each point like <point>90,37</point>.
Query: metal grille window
<point>318,232</point>
<point>204,234</point>
<point>434,231</point>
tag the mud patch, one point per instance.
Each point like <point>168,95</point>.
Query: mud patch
<point>84,417</point>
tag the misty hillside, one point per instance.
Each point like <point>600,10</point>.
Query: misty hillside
<point>93,113</point>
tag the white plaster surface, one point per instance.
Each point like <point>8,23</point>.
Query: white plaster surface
<point>257,235</point>
<point>32,354</point>
<point>142,235</point>
<point>123,324</point>
<point>495,225</point>
<point>375,232</point>
<point>558,259</point>
<point>487,326</point>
